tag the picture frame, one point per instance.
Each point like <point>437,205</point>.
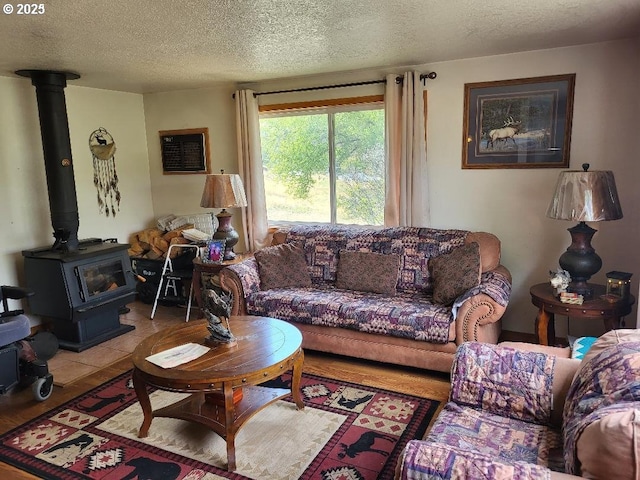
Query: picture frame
<point>185,151</point>
<point>520,123</point>
<point>214,251</point>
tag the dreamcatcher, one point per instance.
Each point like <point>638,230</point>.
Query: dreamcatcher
<point>105,178</point>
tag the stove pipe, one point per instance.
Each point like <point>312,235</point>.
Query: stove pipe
<point>56,145</point>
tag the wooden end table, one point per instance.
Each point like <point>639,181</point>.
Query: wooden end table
<point>543,296</point>
<point>200,267</point>
<point>224,381</point>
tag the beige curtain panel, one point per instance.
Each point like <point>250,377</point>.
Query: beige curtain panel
<point>407,191</point>
<point>254,217</point>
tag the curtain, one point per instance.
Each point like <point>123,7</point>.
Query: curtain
<point>254,217</point>
<point>407,193</point>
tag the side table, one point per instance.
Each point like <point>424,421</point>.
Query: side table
<point>200,267</point>
<point>543,296</point>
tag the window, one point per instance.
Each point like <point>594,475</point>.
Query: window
<point>325,163</point>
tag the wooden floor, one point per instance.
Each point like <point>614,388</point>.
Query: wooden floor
<point>19,406</point>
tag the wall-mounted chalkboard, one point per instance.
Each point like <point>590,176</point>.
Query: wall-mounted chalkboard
<point>185,151</point>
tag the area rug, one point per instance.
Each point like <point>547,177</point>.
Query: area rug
<point>345,432</point>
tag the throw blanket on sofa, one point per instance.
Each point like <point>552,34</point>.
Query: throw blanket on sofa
<point>411,313</point>
<point>400,316</point>
<point>493,284</point>
<point>415,246</point>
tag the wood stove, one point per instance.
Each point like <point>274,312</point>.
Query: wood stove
<point>81,285</point>
<point>81,292</point>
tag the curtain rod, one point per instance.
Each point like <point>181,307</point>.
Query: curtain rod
<point>423,77</point>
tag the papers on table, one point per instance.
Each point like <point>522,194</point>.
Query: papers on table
<point>178,355</point>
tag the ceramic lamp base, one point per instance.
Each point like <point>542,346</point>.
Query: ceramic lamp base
<point>227,233</point>
<point>581,260</point>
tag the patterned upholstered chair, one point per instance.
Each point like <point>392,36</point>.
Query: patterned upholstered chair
<point>532,414</point>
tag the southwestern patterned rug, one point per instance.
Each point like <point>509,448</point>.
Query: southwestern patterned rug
<point>345,432</point>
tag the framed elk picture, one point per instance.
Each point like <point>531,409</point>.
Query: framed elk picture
<point>523,123</point>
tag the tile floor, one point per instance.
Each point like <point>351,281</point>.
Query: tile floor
<point>67,366</point>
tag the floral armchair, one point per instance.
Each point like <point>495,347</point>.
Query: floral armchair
<point>532,414</point>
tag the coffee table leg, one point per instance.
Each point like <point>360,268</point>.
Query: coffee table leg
<point>140,388</point>
<point>295,380</point>
<point>230,437</point>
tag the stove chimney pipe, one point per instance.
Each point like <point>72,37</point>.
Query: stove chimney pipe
<point>56,145</point>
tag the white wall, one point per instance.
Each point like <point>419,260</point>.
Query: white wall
<point>23,196</point>
<point>512,203</point>
<point>212,108</point>
<point>25,215</point>
<point>122,115</point>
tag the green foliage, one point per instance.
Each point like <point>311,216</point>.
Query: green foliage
<point>360,166</point>
<point>295,149</point>
<point>295,152</point>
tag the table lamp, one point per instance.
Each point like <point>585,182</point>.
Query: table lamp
<point>224,191</point>
<point>584,196</point>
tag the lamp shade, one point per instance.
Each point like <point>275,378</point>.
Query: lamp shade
<point>585,196</point>
<point>223,191</point>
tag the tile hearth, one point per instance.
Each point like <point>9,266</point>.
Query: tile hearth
<point>67,366</point>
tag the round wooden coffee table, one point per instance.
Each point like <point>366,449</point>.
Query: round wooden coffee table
<point>224,381</point>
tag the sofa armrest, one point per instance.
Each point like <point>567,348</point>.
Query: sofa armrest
<point>240,280</point>
<point>504,381</point>
<point>477,313</point>
<point>563,373</point>
<point>424,460</point>
<point>495,283</point>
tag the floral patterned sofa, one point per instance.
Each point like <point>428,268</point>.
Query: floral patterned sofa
<point>526,412</point>
<point>400,295</point>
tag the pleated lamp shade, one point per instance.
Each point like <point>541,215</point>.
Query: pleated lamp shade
<point>223,191</point>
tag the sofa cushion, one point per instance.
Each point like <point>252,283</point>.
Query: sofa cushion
<point>404,315</point>
<point>282,266</point>
<point>605,384</point>
<point>504,439</point>
<point>611,444</point>
<point>322,245</point>
<point>437,461</point>
<point>368,272</point>
<point>455,272</point>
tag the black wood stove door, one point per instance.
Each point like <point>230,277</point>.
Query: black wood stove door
<point>81,292</point>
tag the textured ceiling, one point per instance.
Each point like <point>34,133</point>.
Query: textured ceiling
<point>157,45</point>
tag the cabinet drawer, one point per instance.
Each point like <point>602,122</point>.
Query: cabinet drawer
<point>577,310</point>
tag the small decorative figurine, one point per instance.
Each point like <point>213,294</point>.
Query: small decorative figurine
<point>217,309</point>
<point>560,280</point>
